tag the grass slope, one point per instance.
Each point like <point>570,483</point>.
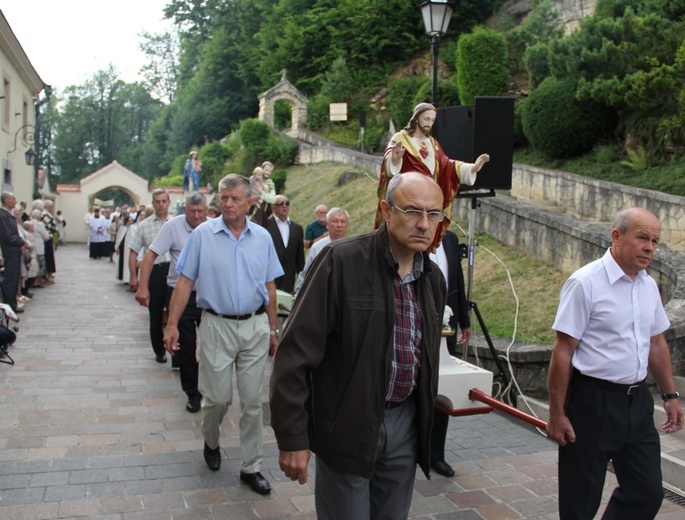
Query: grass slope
<point>536,283</point>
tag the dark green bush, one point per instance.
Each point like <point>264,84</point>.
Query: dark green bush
<point>317,111</point>
<point>279,177</point>
<point>254,135</point>
<point>558,125</point>
<point>448,93</point>
<point>281,150</point>
<point>606,154</point>
<point>213,156</point>
<point>536,61</point>
<point>401,94</point>
<point>481,65</point>
<point>519,136</point>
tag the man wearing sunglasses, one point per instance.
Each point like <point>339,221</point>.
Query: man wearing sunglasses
<point>356,372</point>
<point>288,237</point>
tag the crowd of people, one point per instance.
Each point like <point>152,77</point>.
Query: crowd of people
<point>28,239</point>
<point>355,369</point>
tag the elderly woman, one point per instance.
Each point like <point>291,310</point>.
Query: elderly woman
<point>40,236</point>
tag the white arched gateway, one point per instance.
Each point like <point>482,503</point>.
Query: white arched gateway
<point>284,91</point>
<point>74,200</point>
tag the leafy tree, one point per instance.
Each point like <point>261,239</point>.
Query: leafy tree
<point>162,69</point>
<point>627,63</point>
<point>100,121</point>
<point>481,65</point>
<point>540,28</point>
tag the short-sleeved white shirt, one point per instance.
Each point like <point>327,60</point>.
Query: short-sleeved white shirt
<point>171,239</point>
<point>613,318</point>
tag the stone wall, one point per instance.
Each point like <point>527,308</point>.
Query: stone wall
<point>317,149</point>
<point>598,201</point>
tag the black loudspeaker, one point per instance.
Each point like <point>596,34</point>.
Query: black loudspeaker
<point>493,133</point>
<point>362,118</point>
<point>452,129</point>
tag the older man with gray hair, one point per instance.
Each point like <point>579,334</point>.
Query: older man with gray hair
<point>337,220</point>
<point>172,239</point>
<point>232,262</point>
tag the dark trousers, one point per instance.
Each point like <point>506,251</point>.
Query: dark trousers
<point>438,435</point>
<point>10,281</point>
<point>610,425</point>
<point>440,422</point>
<point>158,299</point>
<point>50,265</point>
<point>185,357</point>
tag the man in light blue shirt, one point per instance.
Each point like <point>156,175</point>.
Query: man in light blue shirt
<point>232,263</point>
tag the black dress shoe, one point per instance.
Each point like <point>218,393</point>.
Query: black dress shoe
<point>441,467</point>
<point>257,482</point>
<point>193,405</point>
<point>161,358</point>
<point>18,311</point>
<point>213,457</point>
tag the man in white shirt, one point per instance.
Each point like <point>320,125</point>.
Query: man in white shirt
<point>610,326</point>
<point>337,220</point>
<point>288,237</point>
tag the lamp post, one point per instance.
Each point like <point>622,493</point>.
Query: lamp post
<point>36,165</point>
<point>436,17</point>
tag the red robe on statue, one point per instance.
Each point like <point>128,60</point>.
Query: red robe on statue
<point>445,174</point>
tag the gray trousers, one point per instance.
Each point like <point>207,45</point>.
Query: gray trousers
<point>387,494</point>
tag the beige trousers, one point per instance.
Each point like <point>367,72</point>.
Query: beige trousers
<point>225,344</point>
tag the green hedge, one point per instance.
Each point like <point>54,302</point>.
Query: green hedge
<point>558,125</point>
<point>481,65</point>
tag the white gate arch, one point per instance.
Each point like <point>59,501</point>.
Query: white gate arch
<point>283,90</point>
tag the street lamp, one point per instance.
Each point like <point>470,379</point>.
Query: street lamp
<point>30,157</point>
<point>436,17</point>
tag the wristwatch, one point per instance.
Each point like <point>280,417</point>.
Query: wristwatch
<point>666,397</point>
<point>274,332</point>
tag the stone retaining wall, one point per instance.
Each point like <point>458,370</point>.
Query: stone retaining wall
<point>598,201</point>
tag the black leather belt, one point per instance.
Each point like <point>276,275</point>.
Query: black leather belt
<point>392,404</point>
<point>608,385</point>
<point>238,317</point>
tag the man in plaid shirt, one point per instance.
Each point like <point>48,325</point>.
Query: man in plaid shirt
<point>357,384</point>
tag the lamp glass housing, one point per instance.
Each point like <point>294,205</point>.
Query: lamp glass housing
<point>436,17</point>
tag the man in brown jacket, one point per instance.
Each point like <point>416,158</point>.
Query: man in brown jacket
<point>356,385</point>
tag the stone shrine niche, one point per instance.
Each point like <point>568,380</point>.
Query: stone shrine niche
<point>286,91</point>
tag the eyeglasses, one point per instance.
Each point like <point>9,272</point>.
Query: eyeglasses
<point>283,203</point>
<point>416,215</point>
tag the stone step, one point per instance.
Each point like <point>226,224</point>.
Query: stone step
<point>672,445</point>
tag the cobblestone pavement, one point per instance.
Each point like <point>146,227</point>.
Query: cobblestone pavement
<point>92,427</point>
